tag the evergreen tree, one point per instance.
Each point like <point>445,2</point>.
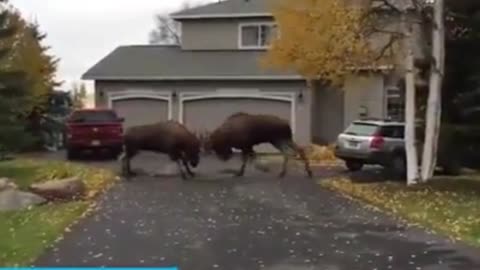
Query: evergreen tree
<point>462,86</point>
<point>12,93</point>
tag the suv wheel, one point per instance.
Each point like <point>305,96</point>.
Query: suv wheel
<point>353,165</point>
<point>452,167</point>
<point>398,166</point>
<point>116,152</point>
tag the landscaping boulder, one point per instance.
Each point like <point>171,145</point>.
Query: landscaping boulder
<point>12,200</point>
<point>66,189</point>
<point>6,183</point>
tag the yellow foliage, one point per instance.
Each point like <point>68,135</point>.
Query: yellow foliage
<point>319,39</point>
<point>27,54</point>
<point>455,213</point>
<point>321,154</point>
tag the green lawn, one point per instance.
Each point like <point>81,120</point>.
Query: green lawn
<point>25,234</point>
<point>449,206</point>
<point>23,173</point>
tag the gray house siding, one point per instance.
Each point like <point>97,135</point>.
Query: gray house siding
<point>367,92</point>
<point>302,106</point>
<point>334,109</point>
<point>327,114</point>
<point>214,34</point>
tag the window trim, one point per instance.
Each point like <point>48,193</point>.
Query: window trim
<point>258,25</point>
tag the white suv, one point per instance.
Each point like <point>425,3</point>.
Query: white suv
<point>381,142</point>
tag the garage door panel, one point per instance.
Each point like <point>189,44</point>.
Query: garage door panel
<point>141,111</point>
<point>208,114</point>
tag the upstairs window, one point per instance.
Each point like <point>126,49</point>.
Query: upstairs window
<point>257,36</point>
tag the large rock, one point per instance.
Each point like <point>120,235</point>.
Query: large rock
<point>6,183</point>
<point>66,189</point>
<point>12,200</point>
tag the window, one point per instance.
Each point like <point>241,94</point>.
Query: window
<point>257,35</point>
<point>361,129</point>
<point>395,104</point>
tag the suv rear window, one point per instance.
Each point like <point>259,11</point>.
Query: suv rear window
<point>396,132</point>
<point>362,129</point>
<point>94,116</point>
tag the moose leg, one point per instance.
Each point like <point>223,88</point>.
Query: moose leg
<point>303,156</point>
<point>177,158</point>
<point>246,153</point>
<point>185,163</point>
<point>182,173</point>
<point>283,148</point>
<point>125,159</point>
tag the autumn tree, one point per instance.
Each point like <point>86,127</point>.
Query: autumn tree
<point>32,57</point>
<point>321,40</point>
<point>327,40</point>
<point>12,91</point>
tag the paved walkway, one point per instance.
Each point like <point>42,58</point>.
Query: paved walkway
<point>219,222</point>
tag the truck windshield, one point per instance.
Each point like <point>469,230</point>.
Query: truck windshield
<point>362,129</point>
<point>94,116</point>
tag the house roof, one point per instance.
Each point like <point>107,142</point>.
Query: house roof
<point>227,9</point>
<point>262,8</point>
<point>160,62</point>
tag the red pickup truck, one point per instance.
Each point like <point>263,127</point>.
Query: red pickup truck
<point>93,129</point>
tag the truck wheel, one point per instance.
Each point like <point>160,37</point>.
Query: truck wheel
<point>353,165</point>
<point>71,154</point>
<point>116,152</point>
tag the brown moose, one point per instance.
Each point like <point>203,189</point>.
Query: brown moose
<point>243,131</point>
<point>169,137</point>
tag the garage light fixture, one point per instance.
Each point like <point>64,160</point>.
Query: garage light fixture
<point>174,94</point>
<point>300,95</point>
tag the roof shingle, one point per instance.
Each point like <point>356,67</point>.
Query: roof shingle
<point>228,7</point>
<point>154,62</point>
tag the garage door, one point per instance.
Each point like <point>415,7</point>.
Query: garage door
<point>208,114</point>
<point>140,111</point>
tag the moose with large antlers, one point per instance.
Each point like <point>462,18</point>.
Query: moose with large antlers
<point>240,131</point>
<point>243,131</point>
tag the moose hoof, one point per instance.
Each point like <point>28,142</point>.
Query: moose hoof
<point>239,175</point>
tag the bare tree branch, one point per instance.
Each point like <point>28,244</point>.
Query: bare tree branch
<point>388,46</point>
<point>167,30</point>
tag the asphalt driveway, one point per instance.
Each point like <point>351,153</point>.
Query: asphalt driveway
<point>259,222</point>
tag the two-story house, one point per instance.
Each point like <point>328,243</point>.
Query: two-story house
<point>215,72</point>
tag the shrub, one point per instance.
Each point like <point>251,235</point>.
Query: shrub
<point>319,153</point>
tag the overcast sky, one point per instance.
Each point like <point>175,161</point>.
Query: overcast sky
<point>81,32</point>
